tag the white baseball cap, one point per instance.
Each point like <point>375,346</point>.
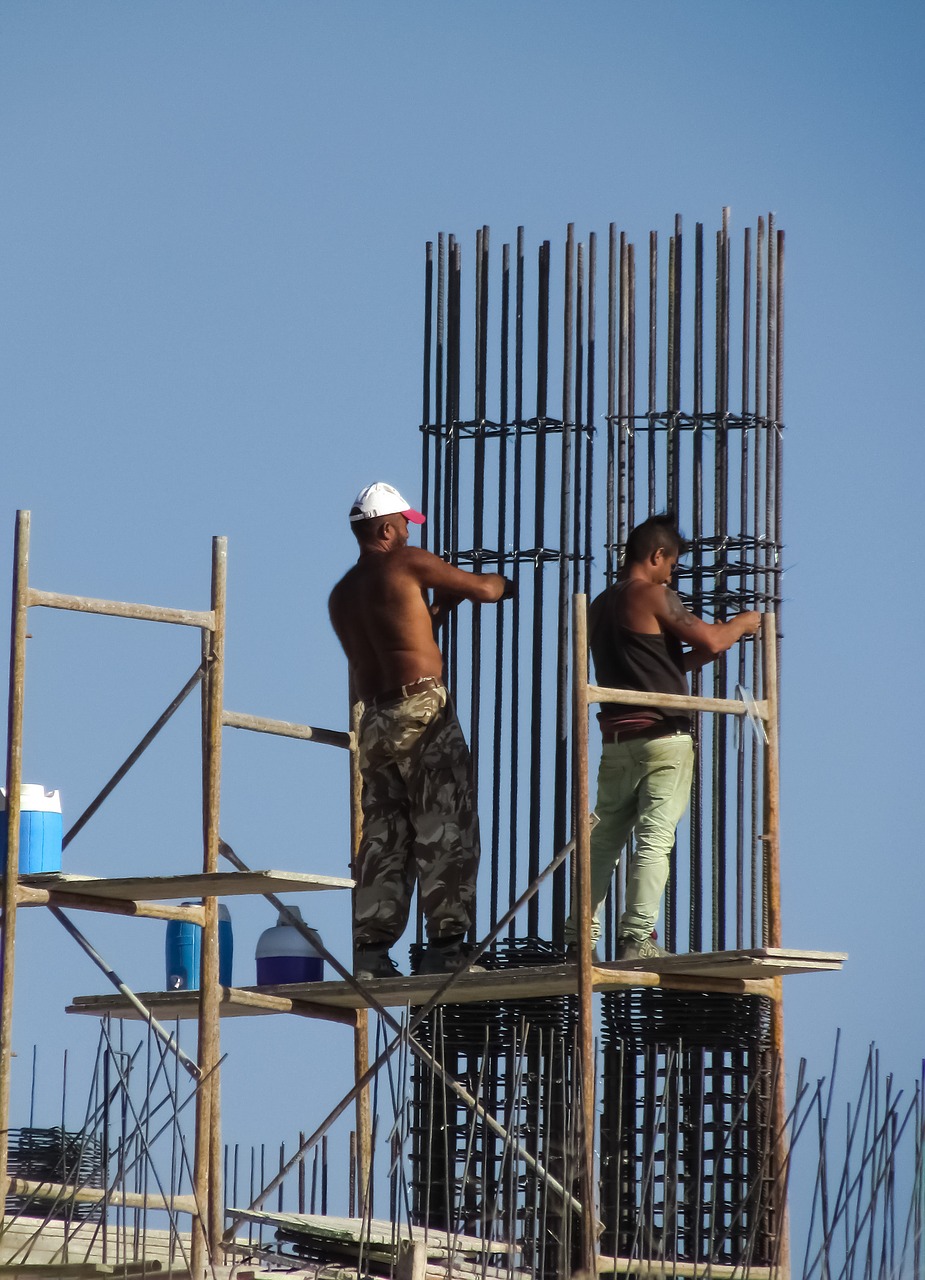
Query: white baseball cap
<point>382,500</point>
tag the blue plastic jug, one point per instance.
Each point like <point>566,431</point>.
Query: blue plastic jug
<point>40,830</point>
<point>184,948</point>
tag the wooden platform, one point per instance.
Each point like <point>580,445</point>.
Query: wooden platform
<point>732,972</point>
<point>218,884</point>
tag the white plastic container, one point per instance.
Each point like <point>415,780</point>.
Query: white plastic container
<point>284,955</point>
<point>40,829</point>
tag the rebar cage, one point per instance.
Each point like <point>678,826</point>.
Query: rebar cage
<point>510,428</point>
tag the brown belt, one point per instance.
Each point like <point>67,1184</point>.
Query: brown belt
<point>405,691</point>
<point>634,735</point>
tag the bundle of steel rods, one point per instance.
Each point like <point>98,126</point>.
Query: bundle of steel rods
<point>510,484</point>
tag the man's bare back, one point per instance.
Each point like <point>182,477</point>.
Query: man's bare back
<point>382,614</point>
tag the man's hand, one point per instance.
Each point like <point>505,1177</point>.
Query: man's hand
<point>749,621</point>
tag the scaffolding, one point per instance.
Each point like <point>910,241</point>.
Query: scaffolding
<point>502,1092</point>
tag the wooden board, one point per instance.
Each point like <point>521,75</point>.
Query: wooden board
<point>774,961</point>
<point>356,1231</point>
<point>218,884</point>
<point>732,972</point>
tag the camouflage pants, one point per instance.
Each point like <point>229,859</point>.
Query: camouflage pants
<point>419,820</point>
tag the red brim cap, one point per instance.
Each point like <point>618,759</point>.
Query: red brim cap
<point>413,517</point>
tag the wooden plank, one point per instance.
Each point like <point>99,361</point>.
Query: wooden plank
<point>675,701</point>
<point>310,998</point>
<point>119,609</point>
<point>236,1002</point>
<point>28,1243</point>
<point>733,972</point>
<point>354,1231</point>
<point>772,962</point>
<point>199,884</point>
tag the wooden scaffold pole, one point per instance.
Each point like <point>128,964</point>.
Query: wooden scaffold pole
<point>582,828</point>
<point>207,1229</point>
<point>20,609</point>
<point>775,934</point>
<point>364,1153</point>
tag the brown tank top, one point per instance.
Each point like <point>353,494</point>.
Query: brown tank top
<point>625,659</point>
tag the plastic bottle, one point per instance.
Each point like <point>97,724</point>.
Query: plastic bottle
<point>284,955</point>
<point>183,948</point>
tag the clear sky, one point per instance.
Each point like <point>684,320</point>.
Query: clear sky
<point>212,226</point>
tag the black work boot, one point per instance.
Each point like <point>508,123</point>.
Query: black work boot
<point>446,955</point>
<point>374,961</point>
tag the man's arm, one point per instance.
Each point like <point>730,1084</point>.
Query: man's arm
<point>451,585</point>
<point>706,639</point>
<point>696,658</point>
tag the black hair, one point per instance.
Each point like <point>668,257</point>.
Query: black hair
<point>658,532</point>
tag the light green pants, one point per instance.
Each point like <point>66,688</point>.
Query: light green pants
<point>643,787</point>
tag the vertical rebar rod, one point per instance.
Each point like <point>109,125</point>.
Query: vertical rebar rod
<point>500,614</point>
<point>614,470</point>
<point>653,364</point>
<point>778,436</point>
<point>771,434</point>
<point>758,917</point>
<point>539,504</point>
<point>695,924</point>
<point>562,794</point>
<point>478,496</point>
<point>626,427</point>
<point>674,484</point>
<point>426,441</point>
<point>439,398</point>
<point>517,526</point>
<point>745,746</point>
<point>673,370</point>
<point>454,328</point>
<point>630,505</point>
<point>580,442</point>
<point>721,580</point>
<point>590,403</point>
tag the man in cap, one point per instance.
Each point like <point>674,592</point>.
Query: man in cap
<point>419,820</point>
<point>638,629</point>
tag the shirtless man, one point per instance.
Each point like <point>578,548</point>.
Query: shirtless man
<point>419,820</point>
<point>638,629</point>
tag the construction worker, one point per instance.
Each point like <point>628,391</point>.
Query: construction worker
<point>642,637</point>
<point>419,819</point>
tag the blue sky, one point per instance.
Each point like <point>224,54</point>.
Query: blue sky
<point>212,224</point>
